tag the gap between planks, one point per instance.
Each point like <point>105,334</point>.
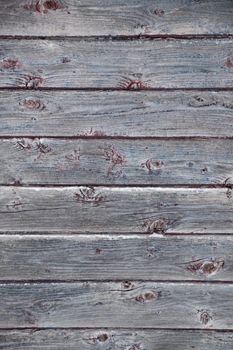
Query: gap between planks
<point>121,37</point>
<point>133,138</point>
<point>97,281</point>
<point>180,186</point>
<point>207,330</point>
<point>113,88</point>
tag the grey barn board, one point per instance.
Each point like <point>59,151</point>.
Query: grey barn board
<point>91,304</point>
<point>116,174</point>
<point>112,113</point>
<point>116,209</point>
<point>105,257</point>
<point>133,64</point>
<point>98,339</point>
<point>123,162</point>
<point>115,17</point>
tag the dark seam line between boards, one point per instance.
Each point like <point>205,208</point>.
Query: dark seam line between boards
<point>120,37</point>
<point>206,330</point>
<point>99,281</point>
<point>115,186</point>
<point>112,89</point>
<point>120,138</point>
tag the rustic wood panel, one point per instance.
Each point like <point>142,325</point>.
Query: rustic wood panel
<point>102,257</point>
<point>133,339</point>
<point>133,64</point>
<point>70,17</point>
<point>117,210</point>
<point>116,113</point>
<point>151,162</point>
<point>147,305</point>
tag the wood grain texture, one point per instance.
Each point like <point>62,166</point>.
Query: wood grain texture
<point>70,17</point>
<point>116,210</point>
<point>116,113</point>
<point>138,162</point>
<point>104,339</point>
<point>144,304</point>
<point>102,257</point>
<point>133,64</point>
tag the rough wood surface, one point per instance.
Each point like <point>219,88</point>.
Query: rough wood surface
<point>116,210</point>
<point>133,64</point>
<point>71,17</point>
<point>143,304</point>
<point>105,339</point>
<point>138,162</point>
<point>116,113</point>
<point>102,257</point>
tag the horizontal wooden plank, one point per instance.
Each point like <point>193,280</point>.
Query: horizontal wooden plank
<point>70,17</point>
<point>116,64</point>
<point>102,257</point>
<point>138,162</point>
<point>112,113</point>
<point>116,210</point>
<point>72,339</point>
<point>112,304</point>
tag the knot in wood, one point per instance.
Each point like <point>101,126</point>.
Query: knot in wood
<point>10,63</point>
<point>127,285</point>
<point>133,84</point>
<point>33,103</point>
<point>205,316</point>
<point>155,225</point>
<point>207,267</point>
<point>88,195</point>
<point>148,296</point>
<point>150,165</point>
<point>41,6</point>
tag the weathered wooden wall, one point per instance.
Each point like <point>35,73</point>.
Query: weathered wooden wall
<point>116,176</point>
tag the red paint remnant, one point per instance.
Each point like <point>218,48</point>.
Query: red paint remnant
<point>23,144</point>
<point>229,62</point>
<point>93,133</point>
<point>9,63</point>
<point>31,81</point>
<point>159,12</point>
<point>88,195</point>
<point>44,6</point>
<point>205,316</point>
<point>148,296</point>
<point>152,165</point>
<point>155,225</point>
<point>133,84</point>
<point>33,103</point>
<point>207,267</point>
<point>114,157</point>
